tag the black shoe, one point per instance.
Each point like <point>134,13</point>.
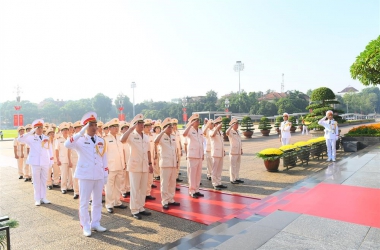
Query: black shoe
<point>177,189</point>
<point>200,183</point>
<point>70,190</point>
<point>50,187</point>
<point>76,196</point>
<point>124,195</point>
<point>194,196</point>
<point>235,182</point>
<point>103,201</point>
<point>110,210</point>
<point>240,181</point>
<point>154,186</point>
<point>20,177</point>
<point>200,194</point>
<point>122,206</point>
<point>157,178</point>
<point>166,206</point>
<point>209,178</point>
<point>179,173</point>
<point>56,186</point>
<point>217,188</point>
<point>64,191</point>
<point>26,179</point>
<point>149,197</point>
<point>174,204</point>
<point>90,202</point>
<point>179,180</point>
<point>221,186</point>
<point>146,213</point>
<point>137,216</point>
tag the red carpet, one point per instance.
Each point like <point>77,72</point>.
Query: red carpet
<point>215,206</point>
<point>357,205</point>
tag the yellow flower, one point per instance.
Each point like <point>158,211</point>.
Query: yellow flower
<point>271,151</point>
<point>287,147</point>
<point>302,144</point>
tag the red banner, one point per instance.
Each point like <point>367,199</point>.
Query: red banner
<point>17,107</point>
<point>121,117</point>
<point>184,116</point>
<point>18,120</point>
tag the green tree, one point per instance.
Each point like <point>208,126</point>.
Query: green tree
<point>102,105</point>
<point>366,67</point>
<point>267,108</point>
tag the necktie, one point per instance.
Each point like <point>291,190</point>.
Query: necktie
<point>40,137</point>
<point>93,139</point>
<point>330,122</point>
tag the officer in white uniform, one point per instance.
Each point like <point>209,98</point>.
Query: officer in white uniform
<point>27,168</point>
<point>73,161</point>
<point>91,172</point>
<point>331,134</point>
<point>18,148</point>
<point>217,154</point>
<point>236,151</point>
<point>167,146</point>
<point>285,130</point>
<point>62,154</point>
<point>194,138</point>
<point>40,157</point>
<point>116,167</point>
<point>139,164</point>
<point>207,148</point>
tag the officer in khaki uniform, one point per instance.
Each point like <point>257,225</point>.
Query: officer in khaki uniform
<point>194,138</point>
<point>155,153</point>
<point>236,150</point>
<point>105,128</point>
<point>100,129</point>
<point>177,135</point>
<point>27,168</point>
<point>147,132</point>
<point>217,154</point>
<point>206,133</point>
<point>53,180</point>
<point>18,149</point>
<point>125,186</point>
<point>139,164</point>
<point>116,166</point>
<point>62,155</point>
<point>73,160</point>
<point>167,146</point>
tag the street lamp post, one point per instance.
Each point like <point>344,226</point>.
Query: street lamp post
<point>239,66</point>
<point>227,104</point>
<point>121,102</point>
<point>133,86</point>
<point>184,104</point>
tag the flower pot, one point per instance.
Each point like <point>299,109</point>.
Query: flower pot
<point>265,132</point>
<point>289,158</point>
<point>272,166</point>
<point>293,129</point>
<point>248,134</point>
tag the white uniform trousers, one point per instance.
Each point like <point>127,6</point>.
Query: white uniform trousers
<point>149,184</point>
<point>66,177</point>
<point>39,176</point>
<point>90,189</point>
<point>156,166</point>
<point>331,148</point>
<point>285,141</point>
<point>75,180</point>
<point>125,186</point>
<point>113,188</point>
<point>27,170</point>
<point>209,163</point>
<point>305,130</point>
<point>194,173</point>
<point>168,176</point>
<point>56,173</point>
<point>20,166</point>
<point>217,168</point>
<point>179,161</point>
<point>138,191</point>
<point>235,167</point>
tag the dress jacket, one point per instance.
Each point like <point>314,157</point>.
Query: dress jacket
<point>331,128</point>
<point>285,129</point>
<point>235,142</point>
<point>195,143</point>
<point>40,153</point>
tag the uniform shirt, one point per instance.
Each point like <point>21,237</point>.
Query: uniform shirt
<point>127,153</point>
<point>18,144</point>
<point>115,152</point>
<point>195,143</point>
<point>331,128</point>
<point>92,159</point>
<point>63,152</point>
<point>217,144</point>
<point>177,135</point>
<point>235,142</point>
<point>40,153</point>
<point>285,129</point>
<point>207,145</point>
<point>138,160</point>
<point>168,151</point>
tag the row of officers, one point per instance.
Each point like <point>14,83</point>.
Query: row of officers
<point>122,158</point>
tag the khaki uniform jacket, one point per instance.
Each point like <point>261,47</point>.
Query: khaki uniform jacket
<point>63,151</point>
<point>217,144</point>
<point>194,143</point>
<point>235,142</point>
<point>138,160</point>
<point>167,147</point>
<point>115,153</point>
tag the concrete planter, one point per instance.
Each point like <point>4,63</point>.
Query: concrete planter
<point>362,141</point>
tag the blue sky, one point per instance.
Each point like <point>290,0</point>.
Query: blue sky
<point>76,49</point>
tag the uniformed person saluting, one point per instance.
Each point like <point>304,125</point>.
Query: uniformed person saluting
<point>236,151</point>
<point>62,155</point>
<point>91,172</point>
<point>217,154</point>
<point>18,148</point>
<point>139,164</point>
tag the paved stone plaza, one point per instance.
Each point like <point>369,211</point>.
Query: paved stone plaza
<point>56,225</point>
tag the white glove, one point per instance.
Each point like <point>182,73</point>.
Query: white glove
<point>83,130</point>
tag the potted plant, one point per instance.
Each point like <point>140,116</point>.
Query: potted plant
<point>317,146</point>
<point>271,157</point>
<point>264,126</point>
<point>293,120</point>
<point>289,157</point>
<point>277,124</point>
<point>3,235</point>
<point>304,151</point>
<point>247,126</point>
<point>225,125</point>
